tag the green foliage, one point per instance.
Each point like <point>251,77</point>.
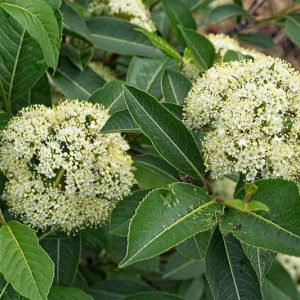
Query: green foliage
<point>20,71</point>
<point>38,19</point>
<point>201,49</point>
<point>158,124</point>
<point>180,206</point>
<point>271,231</point>
<point>161,44</point>
<point>228,270</point>
<point>178,14</point>
<point>225,12</point>
<point>21,254</point>
<point>175,87</point>
<point>65,253</point>
<point>110,95</point>
<point>173,237</point>
<point>146,74</point>
<point>118,36</point>
<point>292,27</point>
<point>65,293</point>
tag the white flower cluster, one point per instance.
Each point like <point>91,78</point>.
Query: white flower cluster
<point>132,10</point>
<point>222,44</point>
<point>252,112</point>
<point>216,3</point>
<point>105,72</point>
<point>292,265</point>
<point>62,172</point>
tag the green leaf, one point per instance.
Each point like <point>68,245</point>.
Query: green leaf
<point>123,212</point>
<point>117,289</point>
<point>202,50</point>
<point>40,93</point>
<point>149,179</point>
<point>146,73</point>
<point>6,290</point>
<point>291,27</point>
<point>21,253</point>
<point>74,23</point>
<point>120,121</point>
<point>73,54</point>
<point>21,59</point>
<point>231,55</point>
<point>157,164</point>
<point>73,83</point>
<point>65,253</point>
<point>224,12</point>
<point>228,270</point>
<point>119,36</point>
<point>242,206</point>
<point>167,217</point>
<point>38,19</point>
<point>161,44</point>
<point>169,136</point>
<point>175,109</point>
<point>178,13</point>
<point>192,289</point>
<point>195,247</point>
<point>175,87</point>
<point>275,231</point>
<point>67,293</point>
<point>257,38</point>
<point>4,119</point>
<point>154,295</point>
<point>55,4</point>
<point>279,285</point>
<point>260,259</point>
<point>110,95</point>
<point>182,268</point>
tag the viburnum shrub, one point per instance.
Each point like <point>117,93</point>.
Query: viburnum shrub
<point>147,151</point>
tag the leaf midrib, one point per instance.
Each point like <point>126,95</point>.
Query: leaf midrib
<point>231,269</point>
<point>272,223</point>
<point>195,50</point>
<point>26,263</point>
<point>122,41</point>
<point>150,82</point>
<point>163,172</point>
<point>15,65</point>
<point>74,82</point>
<point>115,100</point>
<point>175,270</point>
<point>291,19</point>
<point>170,227</point>
<point>33,16</point>
<point>57,261</point>
<point>173,90</point>
<point>172,142</point>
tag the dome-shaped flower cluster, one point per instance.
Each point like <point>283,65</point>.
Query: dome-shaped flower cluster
<point>292,265</point>
<point>216,3</point>
<point>132,10</point>
<point>105,72</point>
<point>252,112</point>
<point>222,44</point>
<point>62,172</point>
